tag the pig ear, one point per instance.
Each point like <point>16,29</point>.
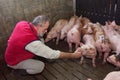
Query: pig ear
<point>113,23</point>
<point>81,44</point>
<point>80,17</point>
<point>98,23</point>
<point>106,23</point>
<point>85,26</point>
<point>109,22</point>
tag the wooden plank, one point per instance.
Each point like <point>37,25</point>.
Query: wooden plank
<point>82,70</point>
<point>6,72</point>
<point>10,76</point>
<point>94,71</point>
<point>40,77</point>
<point>79,75</point>
<point>72,70</point>
<point>98,70</point>
<point>18,77</point>
<point>87,65</point>
<point>48,75</point>
<point>54,72</point>
<point>62,71</point>
<point>2,77</point>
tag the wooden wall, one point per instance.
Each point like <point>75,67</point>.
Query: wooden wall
<point>12,11</point>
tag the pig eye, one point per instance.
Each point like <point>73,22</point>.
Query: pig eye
<point>102,36</point>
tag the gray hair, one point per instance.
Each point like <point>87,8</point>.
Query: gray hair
<point>40,20</point>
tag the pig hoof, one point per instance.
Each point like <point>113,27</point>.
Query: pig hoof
<point>56,43</point>
<point>99,57</point>
<point>81,63</point>
<point>108,59</point>
<point>70,50</point>
<point>94,65</point>
<point>103,62</point>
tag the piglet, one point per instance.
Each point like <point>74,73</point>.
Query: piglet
<point>114,59</point>
<point>115,75</point>
<point>56,30</point>
<point>87,29</point>
<point>74,35</point>
<point>84,20</point>
<point>67,27</point>
<point>101,42</point>
<point>115,26</point>
<point>88,48</point>
<point>113,36</point>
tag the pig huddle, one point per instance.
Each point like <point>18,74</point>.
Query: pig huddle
<point>91,38</point>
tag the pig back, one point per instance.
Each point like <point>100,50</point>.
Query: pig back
<point>67,27</point>
<point>90,42</point>
<point>115,75</point>
<point>56,29</point>
<point>59,24</point>
<point>74,35</point>
<point>89,39</point>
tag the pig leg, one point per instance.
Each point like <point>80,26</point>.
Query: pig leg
<point>53,40</point>
<point>57,40</point>
<point>100,54</point>
<point>81,60</point>
<point>98,46</point>
<point>76,45</point>
<point>105,57</point>
<point>70,47</point>
<point>93,62</point>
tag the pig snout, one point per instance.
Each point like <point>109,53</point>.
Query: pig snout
<point>47,39</point>
<point>88,52</point>
<point>73,36</point>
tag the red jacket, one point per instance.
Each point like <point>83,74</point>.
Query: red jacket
<point>22,35</point>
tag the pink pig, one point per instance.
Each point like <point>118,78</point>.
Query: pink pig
<point>74,35</point>
<point>115,26</point>
<point>114,59</point>
<point>115,75</point>
<point>56,30</point>
<point>101,42</point>
<point>87,29</point>
<point>113,37</point>
<point>67,27</point>
<point>88,48</point>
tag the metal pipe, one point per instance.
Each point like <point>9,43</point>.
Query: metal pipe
<point>74,7</point>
